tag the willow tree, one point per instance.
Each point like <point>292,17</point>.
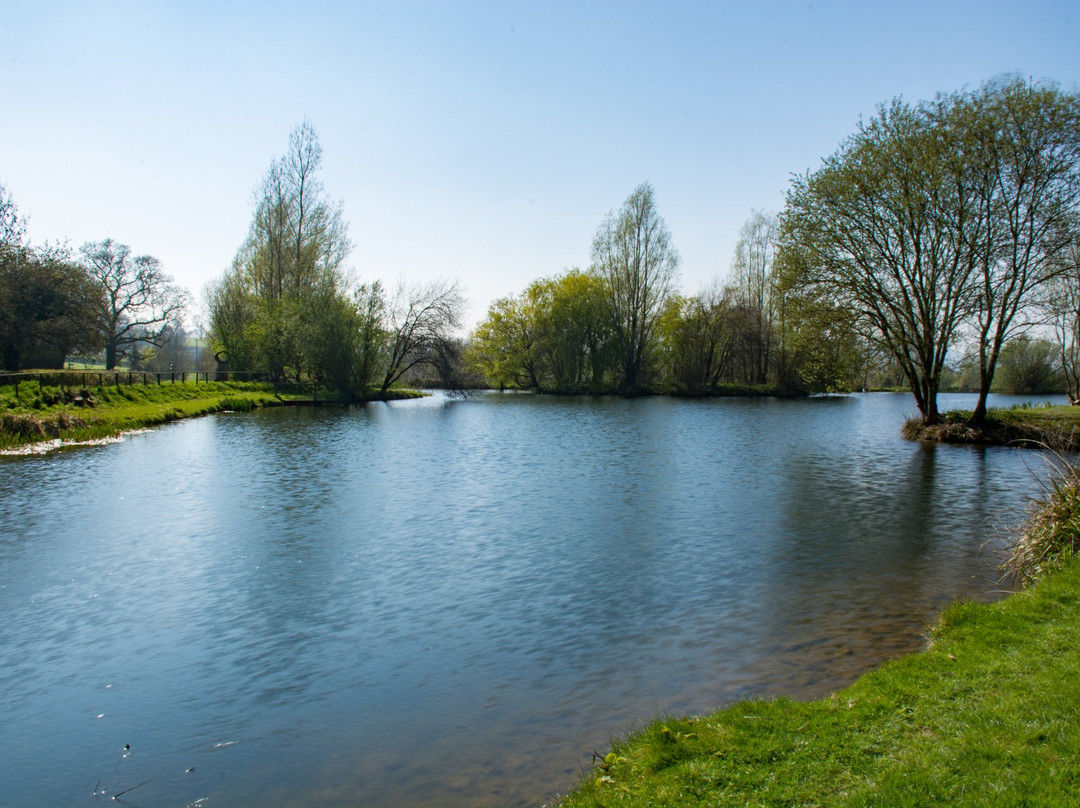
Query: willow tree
<point>633,251</point>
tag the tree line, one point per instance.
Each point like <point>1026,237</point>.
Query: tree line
<point>288,308</point>
<point>939,232</point>
<point>938,243</point>
<point>56,303</point>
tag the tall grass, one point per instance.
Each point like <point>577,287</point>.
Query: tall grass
<point>1051,534</point>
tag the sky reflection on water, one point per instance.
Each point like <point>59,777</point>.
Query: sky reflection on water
<point>435,602</point>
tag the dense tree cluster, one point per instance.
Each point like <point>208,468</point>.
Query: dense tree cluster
<point>287,309</point>
<point>55,305</point>
<point>621,325</point>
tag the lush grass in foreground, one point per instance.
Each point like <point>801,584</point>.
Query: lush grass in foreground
<point>988,715</point>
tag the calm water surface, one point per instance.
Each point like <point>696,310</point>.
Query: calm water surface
<point>441,603</point>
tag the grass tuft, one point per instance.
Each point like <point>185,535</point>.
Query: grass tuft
<point>1051,535</point>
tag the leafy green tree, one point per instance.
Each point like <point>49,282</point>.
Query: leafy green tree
<point>699,335</point>
<point>1027,365</point>
<point>49,308</point>
<point>633,251</point>
<point>505,346</point>
<point>1021,153</point>
<point>264,311</point>
<point>48,305</point>
<point>883,229</point>
<point>574,333</point>
<point>820,347</point>
<point>555,336</point>
<point>347,337</point>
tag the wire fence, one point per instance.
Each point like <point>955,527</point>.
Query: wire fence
<point>119,378</point>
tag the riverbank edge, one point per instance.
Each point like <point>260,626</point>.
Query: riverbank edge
<point>31,431</point>
<point>1056,427</point>
<point>985,714</point>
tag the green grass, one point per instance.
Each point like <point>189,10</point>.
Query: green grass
<point>987,715</point>
<point>41,414</point>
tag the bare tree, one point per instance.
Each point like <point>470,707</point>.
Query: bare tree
<point>1021,143</point>
<point>1061,301</point>
<point>140,302</point>
<point>633,250</point>
<point>422,321</point>
<point>753,270</point>
<point>12,226</point>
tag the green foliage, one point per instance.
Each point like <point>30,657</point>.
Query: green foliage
<point>1028,366</point>
<point>632,250</point>
<point>49,308</point>
<point>557,336</point>
<point>941,216</point>
<point>282,307</point>
<point>699,336</point>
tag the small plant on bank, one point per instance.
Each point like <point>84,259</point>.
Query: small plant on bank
<point>1051,534</point>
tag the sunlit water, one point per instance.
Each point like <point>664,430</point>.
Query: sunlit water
<point>439,603</point>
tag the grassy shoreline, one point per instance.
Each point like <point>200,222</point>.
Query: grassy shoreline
<point>1055,426</point>
<point>987,714</point>
<point>45,418</point>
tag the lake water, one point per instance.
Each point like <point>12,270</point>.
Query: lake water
<point>442,603</point>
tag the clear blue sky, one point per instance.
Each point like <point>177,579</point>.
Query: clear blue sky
<point>479,140</point>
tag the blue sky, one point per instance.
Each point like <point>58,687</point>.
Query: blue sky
<point>479,140</point>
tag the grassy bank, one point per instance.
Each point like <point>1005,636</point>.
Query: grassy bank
<point>1057,426</point>
<point>987,715</point>
<point>37,414</point>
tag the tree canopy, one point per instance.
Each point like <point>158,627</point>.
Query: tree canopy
<point>939,217</point>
